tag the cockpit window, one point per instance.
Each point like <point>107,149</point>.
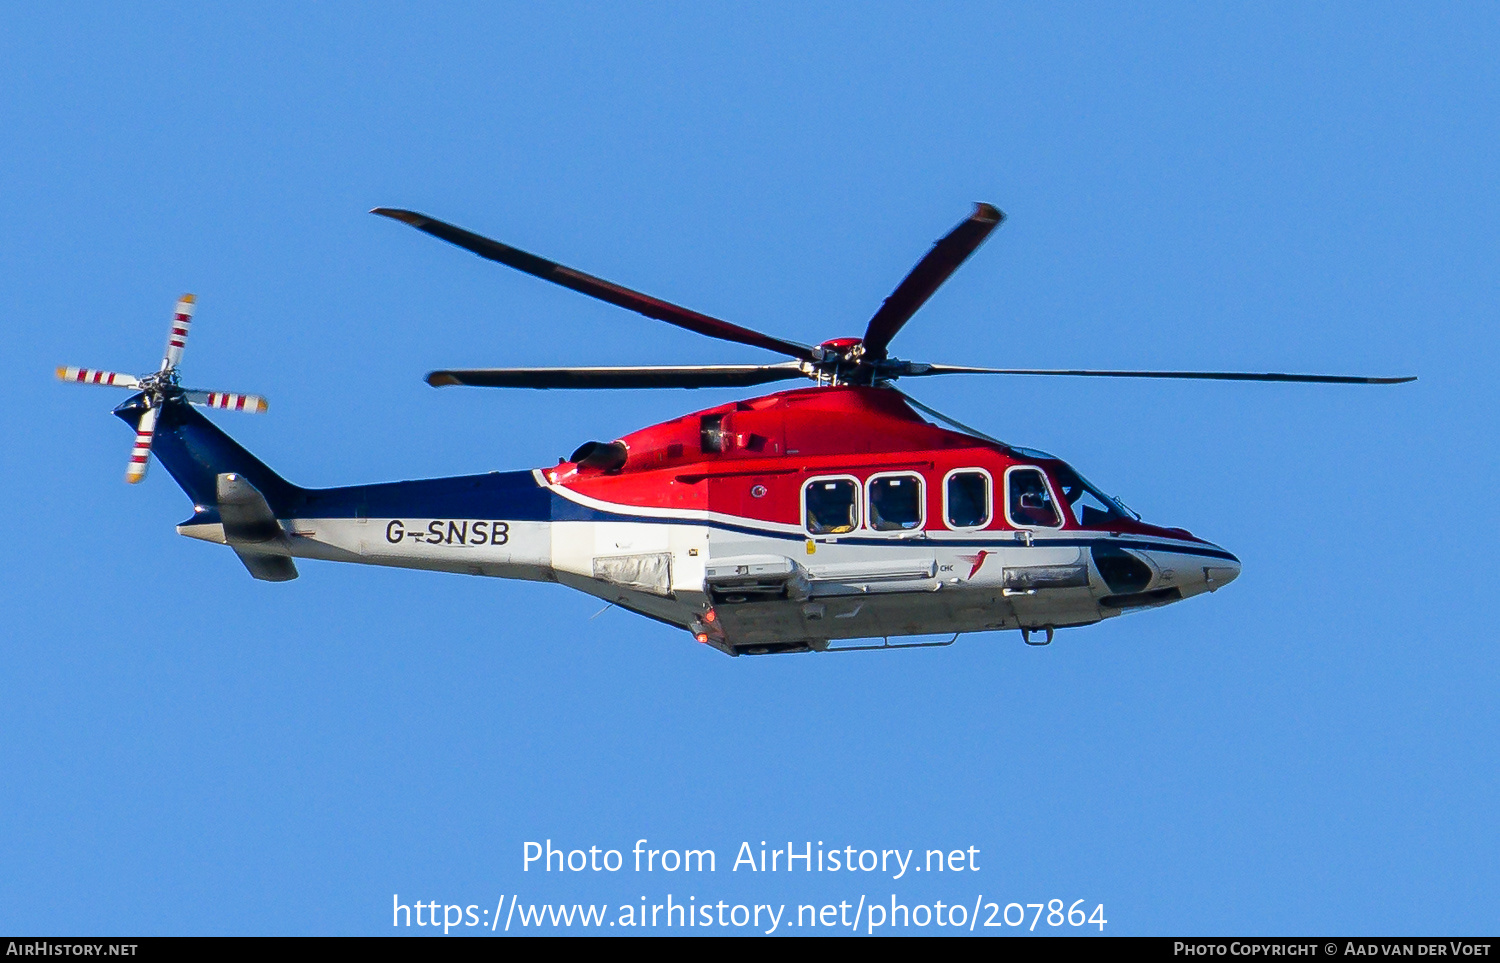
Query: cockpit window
<point>895,503</point>
<point>1030,500</point>
<point>1090,506</point>
<point>832,505</point>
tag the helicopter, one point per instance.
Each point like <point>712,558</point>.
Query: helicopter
<point>830,517</point>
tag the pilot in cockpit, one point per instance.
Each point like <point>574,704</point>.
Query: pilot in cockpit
<point>1030,501</point>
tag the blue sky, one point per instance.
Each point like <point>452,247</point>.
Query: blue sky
<point>1257,187</point>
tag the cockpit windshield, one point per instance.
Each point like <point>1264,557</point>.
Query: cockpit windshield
<point>1090,506</point>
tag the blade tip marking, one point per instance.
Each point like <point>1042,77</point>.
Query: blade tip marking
<point>398,214</point>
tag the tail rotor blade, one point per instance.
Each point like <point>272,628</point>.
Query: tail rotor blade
<point>228,400</point>
<point>93,376</point>
<point>177,340</point>
<point>141,453</point>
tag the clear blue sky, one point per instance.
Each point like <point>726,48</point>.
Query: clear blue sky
<point>1262,187</point>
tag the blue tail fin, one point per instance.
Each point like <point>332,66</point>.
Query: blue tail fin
<point>195,452</point>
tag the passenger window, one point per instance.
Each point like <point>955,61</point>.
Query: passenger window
<point>1030,499</point>
<point>832,506</point>
<point>968,499</point>
<point>896,503</point>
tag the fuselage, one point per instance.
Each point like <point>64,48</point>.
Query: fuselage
<point>783,523</point>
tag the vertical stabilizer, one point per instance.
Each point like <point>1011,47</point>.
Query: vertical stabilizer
<point>195,451</point>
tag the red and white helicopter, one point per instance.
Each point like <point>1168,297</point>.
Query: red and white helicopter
<point>790,522</point>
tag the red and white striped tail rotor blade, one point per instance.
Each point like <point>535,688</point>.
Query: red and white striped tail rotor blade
<point>182,319</point>
<point>93,376</point>
<point>141,453</point>
<point>227,400</point>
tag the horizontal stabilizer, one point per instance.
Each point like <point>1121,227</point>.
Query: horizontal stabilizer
<point>251,529</point>
<point>267,568</point>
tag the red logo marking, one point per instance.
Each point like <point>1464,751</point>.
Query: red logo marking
<point>976,560</point>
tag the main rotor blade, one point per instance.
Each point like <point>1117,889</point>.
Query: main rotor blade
<point>595,287</point>
<point>651,376</point>
<point>938,369</point>
<point>141,453</point>
<point>182,318</point>
<point>929,274</point>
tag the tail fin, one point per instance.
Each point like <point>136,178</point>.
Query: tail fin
<point>196,452</point>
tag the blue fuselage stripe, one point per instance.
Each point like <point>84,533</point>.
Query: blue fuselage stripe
<point>516,496</point>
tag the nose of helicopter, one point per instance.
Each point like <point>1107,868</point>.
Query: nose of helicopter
<point>1221,572</point>
<point>1215,572</point>
<point>1158,574</point>
<point>1192,573</point>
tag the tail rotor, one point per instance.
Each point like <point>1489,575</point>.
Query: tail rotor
<point>161,388</point>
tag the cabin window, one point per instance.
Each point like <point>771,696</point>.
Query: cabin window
<point>895,502</point>
<point>832,505</point>
<point>1030,500</point>
<point>967,499</point>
